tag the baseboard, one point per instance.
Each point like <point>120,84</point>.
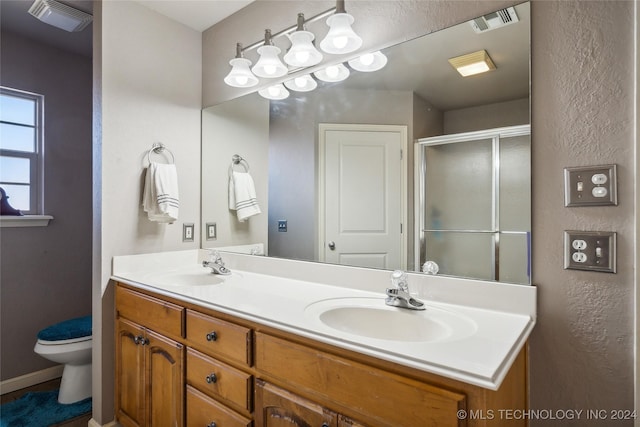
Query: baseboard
<point>28,380</point>
<point>94,423</point>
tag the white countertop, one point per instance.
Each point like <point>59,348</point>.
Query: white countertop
<point>482,355</point>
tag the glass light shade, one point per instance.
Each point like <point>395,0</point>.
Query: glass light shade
<point>368,62</point>
<point>269,65</point>
<point>274,92</point>
<point>302,52</point>
<point>340,38</point>
<point>302,84</point>
<point>333,73</point>
<point>240,74</point>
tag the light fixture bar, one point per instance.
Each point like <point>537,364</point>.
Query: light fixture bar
<point>290,29</point>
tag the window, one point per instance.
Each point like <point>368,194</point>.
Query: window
<point>21,149</point>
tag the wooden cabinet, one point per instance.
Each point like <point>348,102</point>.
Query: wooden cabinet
<point>181,364</point>
<point>277,407</point>
<point>149,376</point>
<point>149,366</point>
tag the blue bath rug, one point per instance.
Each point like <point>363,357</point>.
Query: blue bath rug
<point>40,409</point>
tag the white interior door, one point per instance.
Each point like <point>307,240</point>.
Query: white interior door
<point>362,180</point>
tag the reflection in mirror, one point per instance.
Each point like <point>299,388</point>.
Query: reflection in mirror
<point>337,163</point>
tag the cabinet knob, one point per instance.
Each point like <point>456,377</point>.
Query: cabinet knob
<point>211,379</point>
<point>212,424</point>
<point>140,340</point>
<point>325,424</point>
<point>212,336</point>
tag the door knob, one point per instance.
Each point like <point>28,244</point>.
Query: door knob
<point>332,245</point>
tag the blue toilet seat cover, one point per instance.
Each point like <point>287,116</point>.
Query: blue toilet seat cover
<point>67,330</point>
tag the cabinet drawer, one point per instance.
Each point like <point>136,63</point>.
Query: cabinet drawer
<point>358,386</point>
<point>203,411</point>
<point>219,380</point>
<point>153,313</point>
<point>217,337</point>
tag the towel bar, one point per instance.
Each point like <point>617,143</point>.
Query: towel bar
<point>159,148</point>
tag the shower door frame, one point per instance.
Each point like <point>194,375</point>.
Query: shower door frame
<point>420,194</point>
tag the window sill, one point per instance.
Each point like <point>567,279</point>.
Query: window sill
<point>25,221</point>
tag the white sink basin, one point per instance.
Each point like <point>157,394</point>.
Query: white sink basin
<point>189,276</point>
<point>372,318</point>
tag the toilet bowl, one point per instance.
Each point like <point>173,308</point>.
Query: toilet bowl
<point>69,343</point>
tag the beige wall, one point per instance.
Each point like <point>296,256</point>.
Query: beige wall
<point>148,89</point>
<point>582,113</point>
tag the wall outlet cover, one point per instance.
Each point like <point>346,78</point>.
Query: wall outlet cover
<point>590,251</point>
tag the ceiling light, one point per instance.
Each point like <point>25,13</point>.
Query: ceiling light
<point>333,73</point>
<point>368,62</point>
<point>341,38</point>
<point>302,84</point>
<point>302,52</point>
<point>274,92</point>
<point>473,63</point>
<point>240,74</point>
<point>269,64</point>
<point>60,15</point>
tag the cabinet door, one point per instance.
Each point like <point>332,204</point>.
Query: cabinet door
<point>276,407</point>
<point>164,381</point>
<point>130,388</point>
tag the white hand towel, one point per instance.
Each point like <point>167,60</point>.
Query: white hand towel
<point>160,199</point>
<point>242,196</point>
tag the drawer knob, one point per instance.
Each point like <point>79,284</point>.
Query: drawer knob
<point>325,424</point>
<point>211,379</point>
<point>212,336</point>
<point>212,424</point>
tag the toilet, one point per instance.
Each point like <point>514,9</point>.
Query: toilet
<point>69,343</point>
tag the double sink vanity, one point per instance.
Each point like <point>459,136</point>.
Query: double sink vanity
<point>284,343</point>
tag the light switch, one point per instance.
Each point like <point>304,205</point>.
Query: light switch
<point>590,250</point>
<point>212,231</point>
<point>590,186</point>
<point>187,232</point>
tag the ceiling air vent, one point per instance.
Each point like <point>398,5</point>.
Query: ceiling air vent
<point>60,15</point>
<point>494,20</point>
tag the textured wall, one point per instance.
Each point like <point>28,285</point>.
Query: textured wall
<point>582,348</point>
<point>46,271</point>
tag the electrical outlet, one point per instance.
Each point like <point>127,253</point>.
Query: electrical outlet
<point>590,186</point>
<point>590,250</point>
<point>187,232</point>
<point>212,231</point>
<point>282,225</point>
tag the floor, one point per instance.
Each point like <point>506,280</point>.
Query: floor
<point>81,421</point>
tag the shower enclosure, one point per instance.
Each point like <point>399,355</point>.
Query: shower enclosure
<point>474,203</point>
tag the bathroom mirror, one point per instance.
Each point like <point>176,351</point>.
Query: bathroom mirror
<point>311,199</point>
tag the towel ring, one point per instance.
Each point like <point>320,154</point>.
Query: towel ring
<point>237,159</point>
<point>159,148</point>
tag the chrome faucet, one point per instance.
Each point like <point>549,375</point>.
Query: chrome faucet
<point>216,264</point>
<point>398,296</point>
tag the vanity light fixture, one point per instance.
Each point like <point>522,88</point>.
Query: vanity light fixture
<point>369,62</point>
<point>333,73</point>
<point>60,15</point>
<point>302,84</point>
<point>275,92</point>
<point>341,38</point>
<point>473,63</point>
<point>240,74</point>
<point>302,52</point>
<point>269,64</point>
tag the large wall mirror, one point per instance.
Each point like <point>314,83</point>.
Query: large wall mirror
<point>382,169</point>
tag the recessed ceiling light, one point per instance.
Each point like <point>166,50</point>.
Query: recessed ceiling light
<point>473,63</point>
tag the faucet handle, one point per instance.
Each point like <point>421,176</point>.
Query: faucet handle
<point>399,280</point>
